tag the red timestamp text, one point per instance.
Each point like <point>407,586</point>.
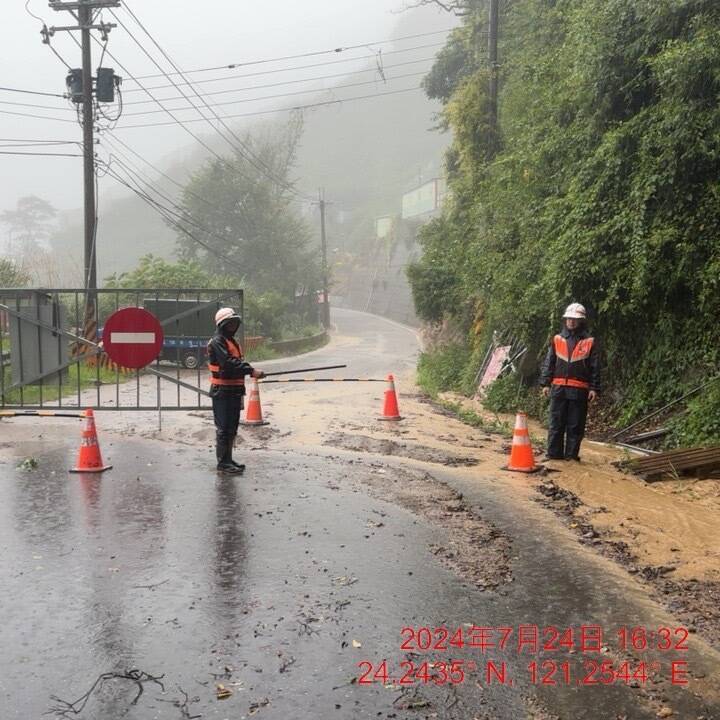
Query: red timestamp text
<point>546,672</point>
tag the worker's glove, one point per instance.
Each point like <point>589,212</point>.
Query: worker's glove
<point>546,392</point>
<point>258,374</point>
<point>592,396</point>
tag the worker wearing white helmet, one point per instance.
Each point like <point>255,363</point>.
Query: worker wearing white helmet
<point>228,370</point>
<point>570,377</point>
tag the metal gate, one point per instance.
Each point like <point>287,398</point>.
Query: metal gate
<point>51,348</point>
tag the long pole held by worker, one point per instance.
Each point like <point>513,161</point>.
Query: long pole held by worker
<point>304,370</point>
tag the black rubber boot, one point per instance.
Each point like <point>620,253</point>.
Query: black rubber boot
<point>223,452</point>
<point>238,465</point>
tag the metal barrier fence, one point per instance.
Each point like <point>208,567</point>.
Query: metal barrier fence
<point>51,354</point>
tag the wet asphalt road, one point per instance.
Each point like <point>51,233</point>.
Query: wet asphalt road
<point>278,584</point>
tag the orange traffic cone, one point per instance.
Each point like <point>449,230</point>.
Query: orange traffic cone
<point>253,414</point>
<point>89,459</point>
<point>390,407</point>
<point>521,454</point>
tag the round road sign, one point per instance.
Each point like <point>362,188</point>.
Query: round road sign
<point>132,337</point>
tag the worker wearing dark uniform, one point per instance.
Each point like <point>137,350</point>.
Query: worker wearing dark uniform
<point>228,370</point>
<point>571,377</point>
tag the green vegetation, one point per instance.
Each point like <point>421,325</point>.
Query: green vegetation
<point>270,314</point>
<point>87,376</point>
<point>11,275</point>
<point>599,185</point>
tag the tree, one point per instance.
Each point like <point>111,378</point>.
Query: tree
<point>154,272</point>
<point>28,225</point>
<point>12,275</point>
<point>242,211</point>
<point>601,187</point>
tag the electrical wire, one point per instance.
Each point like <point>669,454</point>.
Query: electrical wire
<point>176,210</point>
<point>256,87</point>
<point>33,92</point>
<point>291,82</point>
<point>294,68</point>
<point>33,105</point>
<point>165,214</point>
<point>277,110</point>
<point>184,188</point>
<point>336,50</point>
<point>245,151</point>
<point>282,95</point>
<point>35,140</point>
<point>38,117</point>
<point>176,120</point>
<point>39,154</point>
<point>44,143</point>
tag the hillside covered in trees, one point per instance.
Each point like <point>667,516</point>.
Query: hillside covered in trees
<point>601,184</point>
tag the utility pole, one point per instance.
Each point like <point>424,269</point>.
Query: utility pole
<point>81,90</point>
<point>323,241</point>
<point>493,60</point>
<point>82,11</point>
<point>88,149</point>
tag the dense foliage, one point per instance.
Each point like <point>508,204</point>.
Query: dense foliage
<point>243,211</point>
<point>270,314</point>
<point>601,185</point>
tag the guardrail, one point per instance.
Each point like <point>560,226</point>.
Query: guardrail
<point>305,343</point>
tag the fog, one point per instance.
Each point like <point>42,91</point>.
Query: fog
<point>195,35</point>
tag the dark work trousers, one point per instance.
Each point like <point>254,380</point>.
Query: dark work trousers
<point>568,413</point>
<point>227,403</point>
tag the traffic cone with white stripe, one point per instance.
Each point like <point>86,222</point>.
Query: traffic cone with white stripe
<point>253,413</point>
<point>89,458</point>
<point>390,405</point>
<point>521,453</point>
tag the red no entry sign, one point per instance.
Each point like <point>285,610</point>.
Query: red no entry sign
<point>132,337</point>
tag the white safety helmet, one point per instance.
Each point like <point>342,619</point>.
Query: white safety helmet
<point>225,314</point>
<point>575,311</point>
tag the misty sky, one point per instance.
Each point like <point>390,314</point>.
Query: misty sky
<point>195,35</point>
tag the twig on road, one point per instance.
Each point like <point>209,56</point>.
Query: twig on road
<point>184,705</point>
<point>151,586</point>
<point>139,677</point>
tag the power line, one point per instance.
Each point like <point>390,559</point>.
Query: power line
<point>33,92</point>
<point>245,151</point>
<point>294,68</point>
<point>291,82</point>
<point>33,105</point>
<point>257,87</point>
<point>44,143</point>
<point>177,210</point>
<point>36,140</point>
<point>277,110</point>
<point>184,188</point>
<point>40,154</point>
<point>165,213</point>
<point>336,50</point>
<point>282,95</point>
<point>38,117</point>
<point>176,120</point>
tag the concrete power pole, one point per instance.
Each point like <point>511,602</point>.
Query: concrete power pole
<point>82,11</point>
<point>493,60</point>
<point>323,240</point>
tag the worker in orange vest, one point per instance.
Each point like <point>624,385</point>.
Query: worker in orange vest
<point>228,370</point>
<point>570,377</point>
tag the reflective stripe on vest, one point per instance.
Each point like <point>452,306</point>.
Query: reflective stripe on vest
<point>580,352</point>
<point>570,382</point>
<point>235,351</point>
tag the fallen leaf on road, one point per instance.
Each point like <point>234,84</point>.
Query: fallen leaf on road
<point>356,644</point>
<point>664,712</point>
<point>223,693</point>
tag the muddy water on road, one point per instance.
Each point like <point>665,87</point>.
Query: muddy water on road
<point>278,584</point>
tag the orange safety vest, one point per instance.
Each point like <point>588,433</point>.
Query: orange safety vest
<point>572,371</point>
<point>215,379</point>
